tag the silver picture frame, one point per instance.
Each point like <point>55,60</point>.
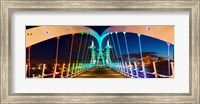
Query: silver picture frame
<point>9,6</point>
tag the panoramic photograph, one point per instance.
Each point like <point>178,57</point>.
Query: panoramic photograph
<point>100,51</point>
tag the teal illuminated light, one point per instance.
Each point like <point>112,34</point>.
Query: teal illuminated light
<point>100,51</point>
<point>108,59</point>
<point>93,56</point>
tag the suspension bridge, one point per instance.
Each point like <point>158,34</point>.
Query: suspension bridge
<point>104,62</point>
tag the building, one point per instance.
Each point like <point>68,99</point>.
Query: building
<point>147,60</point>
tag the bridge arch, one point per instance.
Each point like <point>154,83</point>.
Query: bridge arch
<point>42,33</point>
<point>164,33</point>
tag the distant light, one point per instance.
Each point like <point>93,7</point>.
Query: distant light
<point>116,32</point>
<point>124,32</point>
<point>111,33</point>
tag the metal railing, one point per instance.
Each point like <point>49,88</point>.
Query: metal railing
<point>66,72</point>
<point>133,71</point>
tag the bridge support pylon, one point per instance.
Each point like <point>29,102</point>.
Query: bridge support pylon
<point>93,56</point>
<point>108,46</point>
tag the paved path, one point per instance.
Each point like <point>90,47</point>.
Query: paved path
<point>101,73</point>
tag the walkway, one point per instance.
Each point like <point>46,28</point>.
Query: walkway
<point>101,73</point>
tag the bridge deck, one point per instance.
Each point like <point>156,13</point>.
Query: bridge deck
<point>101,73</point>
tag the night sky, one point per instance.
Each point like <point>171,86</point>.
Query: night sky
<point>46,51</point>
